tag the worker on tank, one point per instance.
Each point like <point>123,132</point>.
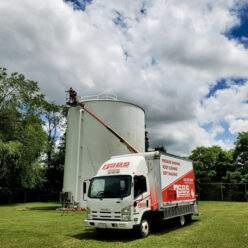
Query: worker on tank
<point>72,96</point>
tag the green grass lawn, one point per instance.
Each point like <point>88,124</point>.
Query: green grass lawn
<point>222,224</point>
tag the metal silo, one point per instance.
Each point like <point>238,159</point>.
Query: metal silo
<point>89,143</point>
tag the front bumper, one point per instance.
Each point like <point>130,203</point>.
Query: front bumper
<point>109,224</point>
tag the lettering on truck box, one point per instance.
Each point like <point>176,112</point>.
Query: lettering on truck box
<point>177,179</point>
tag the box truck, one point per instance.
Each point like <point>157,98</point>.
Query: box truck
<point>134,190</point>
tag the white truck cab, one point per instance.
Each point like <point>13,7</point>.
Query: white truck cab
<point>129,190</point>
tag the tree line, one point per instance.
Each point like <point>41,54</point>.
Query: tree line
<point>32,150</point>
<point>31,165</point>
<point>213,165</point>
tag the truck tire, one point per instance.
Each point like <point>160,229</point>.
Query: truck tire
<point>144,228</point>
<point>188,218</point>
<point>182,220</point>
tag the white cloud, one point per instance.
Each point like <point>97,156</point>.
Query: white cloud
<point>164,60</point>
<point>225,103</point>
<point>237,125</point>
<point>186,136</point>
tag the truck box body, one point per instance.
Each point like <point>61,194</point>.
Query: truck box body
<point>171,180</point>
<point>141,184</point>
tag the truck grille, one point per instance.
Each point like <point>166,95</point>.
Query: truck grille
<point>107,216</point>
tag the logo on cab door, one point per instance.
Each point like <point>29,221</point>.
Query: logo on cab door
<point>141,205</point>
<point>116,165</point>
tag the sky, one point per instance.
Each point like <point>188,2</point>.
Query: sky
<point>184,62</point>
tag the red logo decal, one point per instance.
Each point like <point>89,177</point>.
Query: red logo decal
<point>141,205</point>
<point>116,165</point>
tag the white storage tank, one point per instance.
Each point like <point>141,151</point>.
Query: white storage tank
<point>89,143</point>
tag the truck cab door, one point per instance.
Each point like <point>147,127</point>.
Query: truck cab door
<point>141,196</point>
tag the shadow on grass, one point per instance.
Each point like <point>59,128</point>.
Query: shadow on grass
<point>107,235</point>
<point>169,226</point>
<point>125,236</point>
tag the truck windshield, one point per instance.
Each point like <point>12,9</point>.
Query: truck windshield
<point>110,187</point>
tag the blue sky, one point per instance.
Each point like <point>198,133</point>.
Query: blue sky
<point>184,62</point>
<point>79,5</point>
<point>240,32</point>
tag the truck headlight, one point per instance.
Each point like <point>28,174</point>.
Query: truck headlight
<point>88,213</point>
<point>126,213</point>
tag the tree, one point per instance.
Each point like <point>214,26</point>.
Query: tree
<point>33,144</point>
<point>55,120</point>
<point>211,163</point>
<point>53,116</point>
<point>240,153</point>
<point>214,165</point>
<point>19,161</point>
<point>16,92</point>
<point>21,134</point>
<point>18,98</point>
<point>55,172</point>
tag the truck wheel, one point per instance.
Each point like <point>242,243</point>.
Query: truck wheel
<point>182,220</point>
<point>144,228</point>
<point>188,218</point>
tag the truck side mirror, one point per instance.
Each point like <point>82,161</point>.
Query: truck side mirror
<point>135,204</point>
<point>84,188</point>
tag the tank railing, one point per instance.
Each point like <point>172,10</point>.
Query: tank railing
<point>102,96</point>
